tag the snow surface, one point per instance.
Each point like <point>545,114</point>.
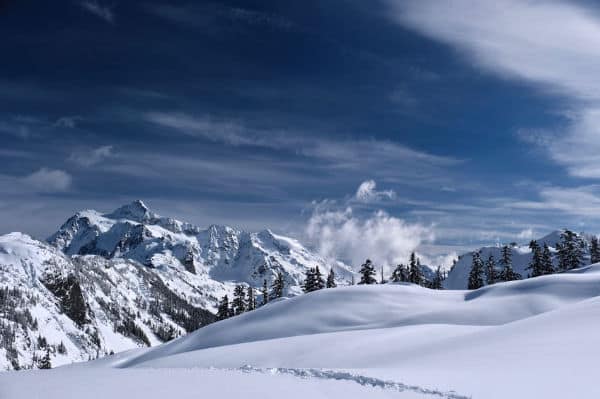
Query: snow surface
<point>535,338</point>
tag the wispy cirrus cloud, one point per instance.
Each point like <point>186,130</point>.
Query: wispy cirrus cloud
<point>90,157</point>
<point>47,180</point>
<point>101,11</point>
<point>551,46</point>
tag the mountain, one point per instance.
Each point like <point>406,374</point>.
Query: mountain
<point>458,276</point>
<point>108,282</point>
<point>534,338</point>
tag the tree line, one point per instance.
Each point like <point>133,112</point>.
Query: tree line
<point>570,253</point>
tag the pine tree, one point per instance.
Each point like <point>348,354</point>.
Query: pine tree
<point>239,300</point>
<point>414,273</point>
<point>507,273</point>
<point>319,282</point>
<point>223,308</point>
<point>45,363</point>
<point>547,266</point>
<point>438,279</point>
<point>309,280</point>
<point>62,349</point>
<point>594,250</point>
<point>490,270</point>
<point>367,272</point>
<point>278,285</point>
<point>265,293</point>
<point>398,274</point>
<point>250,299</point>
<point>570,251</point>
<point>476,274</point>
<point>331,279</point>
<point>535,265</point>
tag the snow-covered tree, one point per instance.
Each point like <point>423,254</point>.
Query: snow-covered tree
<point>44,362</point>
<point>309,280</point>
<point>476,274</point>
<point>400,274</point>
<point>594,250</point>
<point>278,285</point>
<point>414,273</point>
<point>319,282</point>
<point>331,279</point>
<point>547,266</point>
<point>367,273</point>
<point>536,266</point>
<point>265,293</point>
<point>239,300</point>
<point>507,273</point>
<point>223,308</point>
<point>438,279</point>
<point>490,270</point>
<point>250,299</point>
<point>570,251</point>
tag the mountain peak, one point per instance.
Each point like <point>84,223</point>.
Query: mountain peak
<point>136,210</point>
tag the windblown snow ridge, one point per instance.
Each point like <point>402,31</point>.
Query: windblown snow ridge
<point>346,376</point>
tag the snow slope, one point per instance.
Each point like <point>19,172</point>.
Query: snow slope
<point>522,339</point>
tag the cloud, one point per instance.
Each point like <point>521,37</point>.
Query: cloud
<point>101,11</point>
<point>384,239</point>
<point>520,40</point>
<point>367,192</point>
<point>48,181</point>
<point>526,234</point>
<point>579,201</point>
<point>92,157</point>
<point>68,121</point>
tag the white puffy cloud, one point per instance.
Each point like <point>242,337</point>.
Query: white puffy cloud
<point>48,180</point>
<point>386,240</point>
<point>367,192</point>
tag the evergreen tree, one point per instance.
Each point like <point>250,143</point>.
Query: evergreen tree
<point>490,270</point>
<point>400,274</point>
<point>223,308</point>
<point>438,279</point>
<point>536,266</point>
<point>331,279</point>
<point>594,250</point>
<point>44,362</point>
<point>547,266</point>
<point>570,251</point>
<point>476,274</point>
<point>278,285</point>
<point>239,300</point>
<point>319,282</point>
<point>367,272</point>
<point>414,272</point>
<point>265,293</point>
<point>507,273</point>
<point>250,299</point>
<point>309,280</point>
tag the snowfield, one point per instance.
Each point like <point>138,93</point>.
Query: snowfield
<point>535,338</point>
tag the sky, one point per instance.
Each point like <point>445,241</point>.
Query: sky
<point>364,129</point>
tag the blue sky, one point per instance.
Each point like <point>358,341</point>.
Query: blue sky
<point>361,128</point>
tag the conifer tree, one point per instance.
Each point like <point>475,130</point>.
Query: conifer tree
<point>414,273</point>
<point>490,270</point>
<point>239,300</point>
<point>594,250</point>
<point>507,273</point>
<point>331,279</point>
<point>438,279</point>
<point>250,299</point>
<point>476,274</point>
<point>367,272</point>
<point>397,274</point>
<point>223,308</point>
<point>309,280</point>
<point>278,285</point>
<point>535,265</point>
<point>547,266</point>
<point>265,293</point>
<point>319,282</point>
<point>45,362</point>
<point>570,251</point>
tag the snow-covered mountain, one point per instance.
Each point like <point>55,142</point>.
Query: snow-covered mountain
<point>458,276</point>
<point>108,282</point>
